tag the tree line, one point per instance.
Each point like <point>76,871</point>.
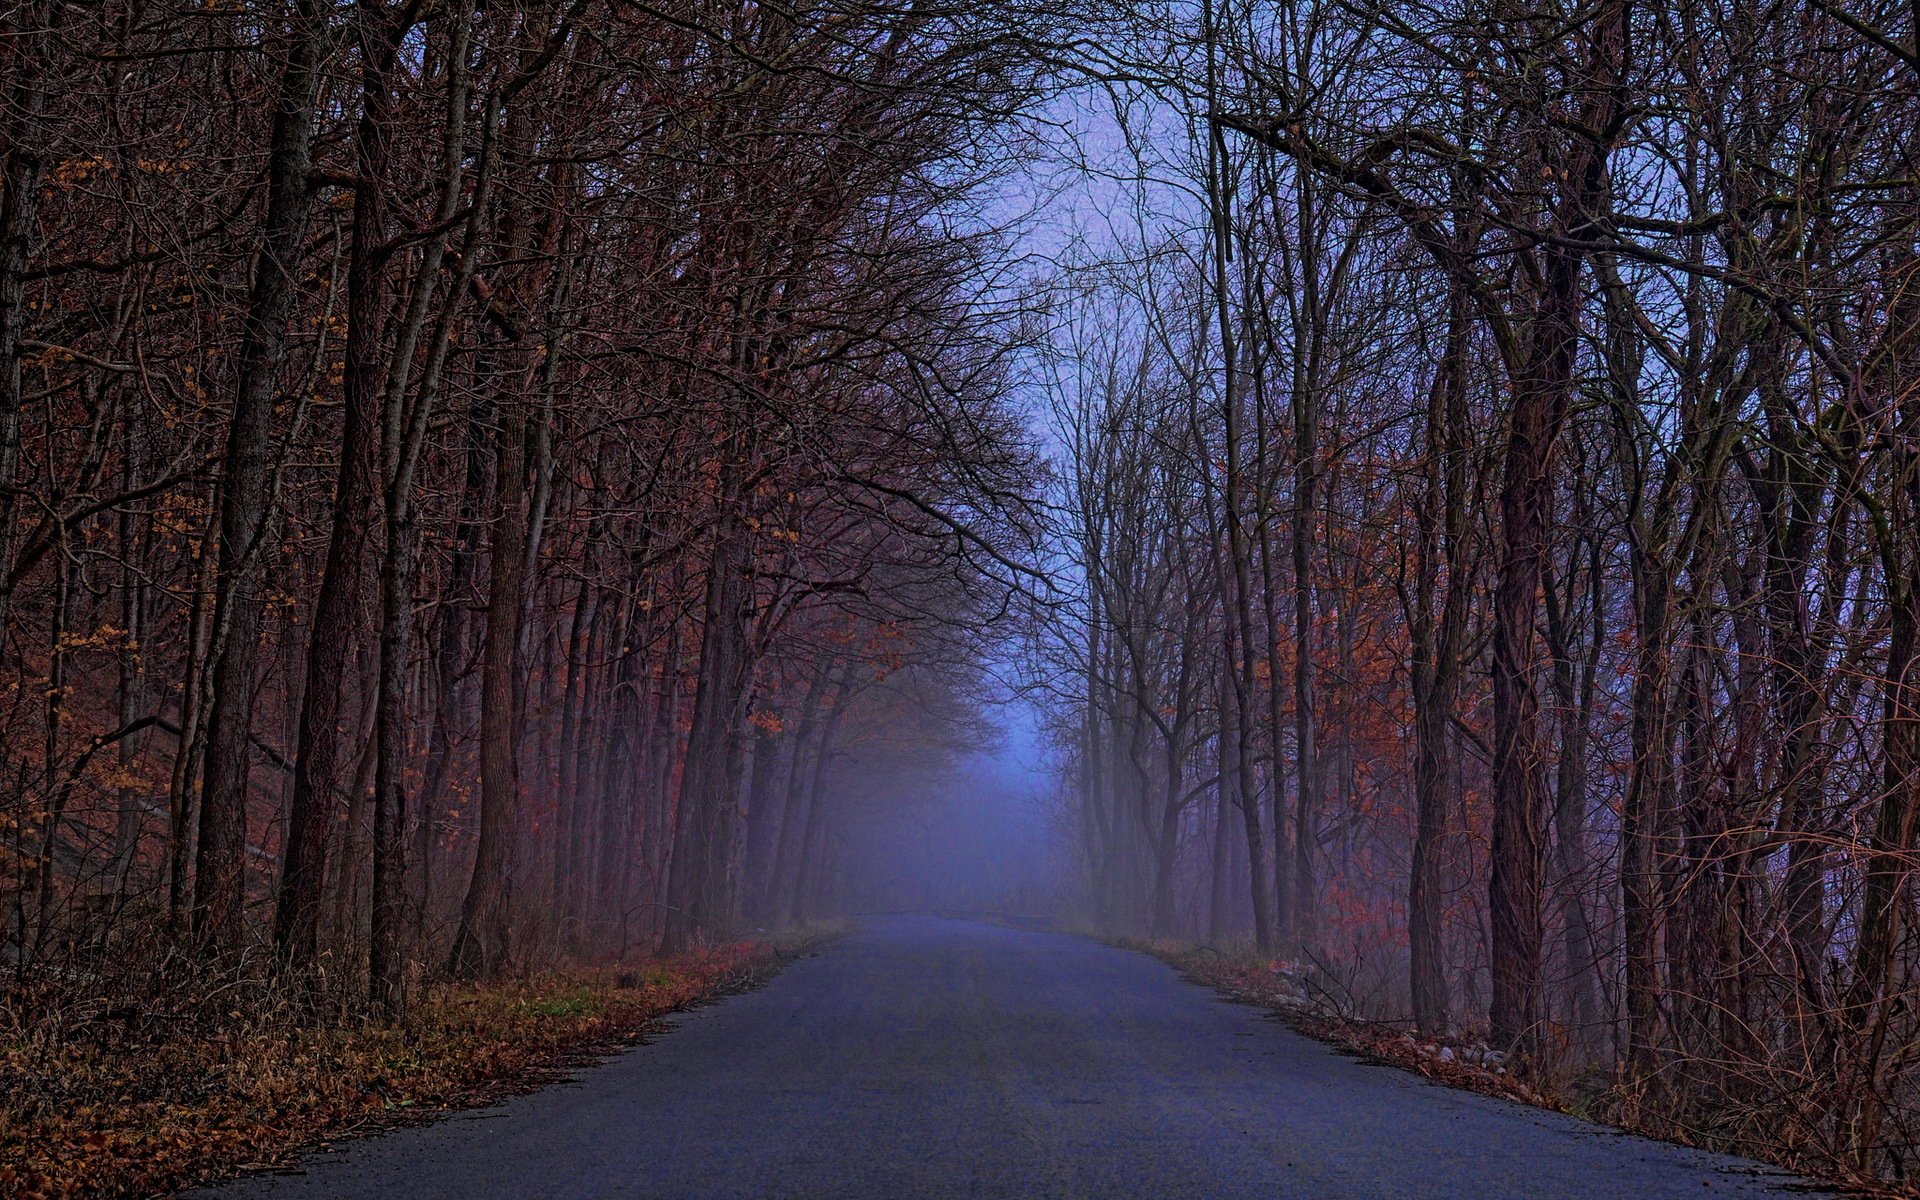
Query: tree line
<point>1491,469</point>
<point>471,474</point>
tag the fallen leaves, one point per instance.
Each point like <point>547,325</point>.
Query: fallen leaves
<point>137,1101</point>
<point>1274,985</point>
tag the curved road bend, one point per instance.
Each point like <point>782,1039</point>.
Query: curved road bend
<point>921,1057</point>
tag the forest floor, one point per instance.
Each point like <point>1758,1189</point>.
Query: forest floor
<point>1258,981</point>
<point>118,1096</point>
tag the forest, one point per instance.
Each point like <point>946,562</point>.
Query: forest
<point>1495,479</point>
<point>440,451</point>
<point>497,489</point>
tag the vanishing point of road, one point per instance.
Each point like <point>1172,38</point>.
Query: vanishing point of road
<point>920,1057</point>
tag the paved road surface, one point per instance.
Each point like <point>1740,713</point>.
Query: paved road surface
<point>928,1058</point>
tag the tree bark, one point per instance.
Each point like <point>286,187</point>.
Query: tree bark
<point>481,946</point>
<point>1437,629</point>
<point>29,30</point>
<point>1542,391</point>
<point>321,758</point>
<point>697,900</point>
<point>220,862</point>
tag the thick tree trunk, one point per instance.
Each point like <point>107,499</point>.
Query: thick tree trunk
<point>320,761</point>
<point>697,901</point>
<point>1886,899</point>
<point>450,650</point>
<point>1230,535</point>
<point>220,862</point>
<point>482,946</point>
<point>1542,391</point>
<point>1519,790</point>
<point>386,952</point>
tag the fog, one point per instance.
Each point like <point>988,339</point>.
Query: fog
<point>976,832</point>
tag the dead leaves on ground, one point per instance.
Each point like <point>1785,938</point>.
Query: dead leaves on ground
<point>135,1104</point>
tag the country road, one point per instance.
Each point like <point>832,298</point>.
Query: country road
<point>921,1057</point>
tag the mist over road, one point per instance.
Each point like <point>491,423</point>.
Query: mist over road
<point>926,1057</point>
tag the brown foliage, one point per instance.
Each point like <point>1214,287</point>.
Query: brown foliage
<point>181,1074</point>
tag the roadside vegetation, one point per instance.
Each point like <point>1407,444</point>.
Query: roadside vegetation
<point>483,487</point>
<point>173,1074</point>
<point>1492,467</point>
<point>1315,1003</point>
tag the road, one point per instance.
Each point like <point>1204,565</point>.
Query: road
<point>920,1057</point>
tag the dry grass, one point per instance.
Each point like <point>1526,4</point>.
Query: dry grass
<point>1255,981</point>
<point>180,1077</point>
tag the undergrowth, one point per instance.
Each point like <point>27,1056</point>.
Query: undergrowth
<point>1586,1093</point>
<point>161,1078</point>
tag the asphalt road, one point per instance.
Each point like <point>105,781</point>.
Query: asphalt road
<point>927,1058</point>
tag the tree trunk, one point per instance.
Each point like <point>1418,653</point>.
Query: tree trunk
<point>697,902</point>
<point>28,30</point>
<point>220,864</point>
<point>781,853</point>
<point>320,761</point>
<point>481,945</point>
<point>1437,628</point>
